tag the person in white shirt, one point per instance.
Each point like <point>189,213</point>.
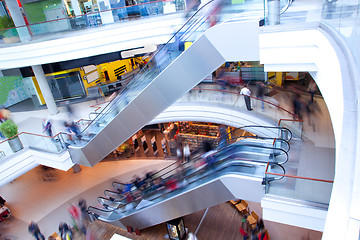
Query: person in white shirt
<point>186,151</point>
<point>246,92</point>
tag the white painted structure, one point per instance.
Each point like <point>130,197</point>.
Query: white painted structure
<point>317,50</point>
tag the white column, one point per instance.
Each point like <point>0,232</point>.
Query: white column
<point>274,12</point>
<point>76,7</point>
<point>18,19</point>
<point>1,74</point>
<point>106,17</point>
<point>45,89</point>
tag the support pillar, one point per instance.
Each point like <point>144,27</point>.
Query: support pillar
<point>106,17</point>
<point>76,7</point>
<point>273,12</point>
<point>45,89</point>
<point>18,20</point>
<point>1,74</point>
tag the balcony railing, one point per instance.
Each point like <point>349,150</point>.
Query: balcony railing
<point>47,29</point>
<point>298,187</point>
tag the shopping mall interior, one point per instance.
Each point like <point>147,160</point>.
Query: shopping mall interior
<point>179,119</point>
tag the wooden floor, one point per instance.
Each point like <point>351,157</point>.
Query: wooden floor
<point>221,222</point>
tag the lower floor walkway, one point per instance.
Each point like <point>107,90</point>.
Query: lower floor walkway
<point>46,202</point>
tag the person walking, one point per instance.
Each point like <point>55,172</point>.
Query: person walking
<point>47,127</point>
<point>246,92</point>
<point>186,152</point>
<point>35,231</point>
<point>260,91</point>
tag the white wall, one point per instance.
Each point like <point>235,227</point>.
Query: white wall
<point>315,51</point>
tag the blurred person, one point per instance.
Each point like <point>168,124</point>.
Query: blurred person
<point>191,5</point>
<point>312,88</point>
<point>297,105</point>
<point>186,151</point>
<point>69,110</point>
<point>222,136</point>
<point>47,127</point>
<point>213,16</point>
<point>69,132</point>
<point>65,231</point>
<point>312,110</point>
<point>253,235</point>
<point>260,92</point>
<point>179,157</point>
<point>73,130</point>
<point>76,216</point>
<point>179,154</point>
<point>83,208</point>
<point>35,231</point>
<point>246,92</point>
<point>207,156</point>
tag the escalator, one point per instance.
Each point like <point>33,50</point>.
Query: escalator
<point>197,187</point>
<point>167,76</point>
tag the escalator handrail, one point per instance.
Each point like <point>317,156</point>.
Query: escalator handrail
<point>143,71</point>
<point>218,162</point>
<point>200,158</point>
<point>223,167</point>
<point>257,137</point>
<point>263,147</point>
<point>193,153</point>
<point>107,210</point>
<point>277,127</point>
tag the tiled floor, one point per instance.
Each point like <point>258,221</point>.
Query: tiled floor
<point>30,198</point>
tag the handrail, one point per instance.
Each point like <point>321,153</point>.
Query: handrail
<point>35,134</point>
<point>227,91</point>
<point>223,165</point>
<point>186,166</point>
<point>144,71</point>
<point>292,176</point>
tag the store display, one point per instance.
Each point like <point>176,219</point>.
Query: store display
<point>163,145</point>
<point>196,133</point>
<point>154,146</point>
<point>144,143</point>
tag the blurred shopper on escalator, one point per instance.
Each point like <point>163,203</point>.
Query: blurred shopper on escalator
<point>186,151</point>
<point>208,157</point>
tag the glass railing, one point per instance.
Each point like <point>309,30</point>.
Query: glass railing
<point>175,186</point>
<point>181,178</point>
<point>190,31</point>
<point>343,17</point>
<point>8,147</point>
<point>46,30</point>
<point>268,108</point>
<point>298,187</point>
